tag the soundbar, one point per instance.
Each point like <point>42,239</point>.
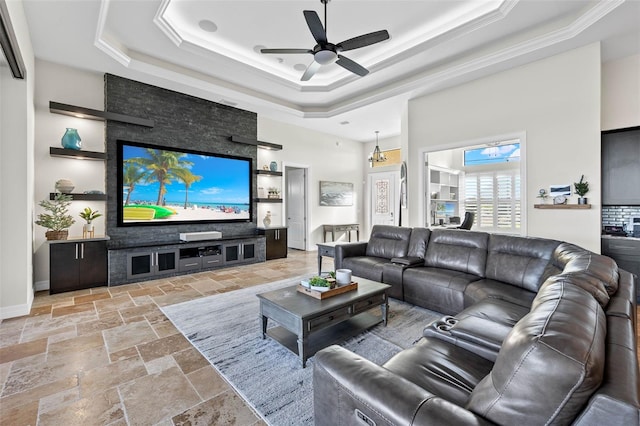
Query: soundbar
<point>200,236</point>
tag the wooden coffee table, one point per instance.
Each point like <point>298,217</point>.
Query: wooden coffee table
<point>307,325</point>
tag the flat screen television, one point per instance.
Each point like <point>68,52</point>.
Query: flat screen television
<point>164,185</point>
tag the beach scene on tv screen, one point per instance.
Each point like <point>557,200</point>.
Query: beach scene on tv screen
<point>163,185</point>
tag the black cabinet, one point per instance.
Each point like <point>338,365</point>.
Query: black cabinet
<point>626,253</point>
<point>621,167</point>
<point>196,258</point>
<point>276,240</point>
<point>76,265</point>
<point>152,263</point>
<point>239,252</point>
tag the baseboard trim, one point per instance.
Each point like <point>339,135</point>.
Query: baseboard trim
<point>15,310</point>
<point>41,285</point>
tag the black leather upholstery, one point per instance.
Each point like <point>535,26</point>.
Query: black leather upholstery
<point>388,241</point>
<point>543,333</point>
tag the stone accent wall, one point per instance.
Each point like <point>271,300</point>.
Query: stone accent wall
<point>618,215</point>
<point>180,121</point>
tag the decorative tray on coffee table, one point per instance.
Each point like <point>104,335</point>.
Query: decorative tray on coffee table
<point>340,289</point>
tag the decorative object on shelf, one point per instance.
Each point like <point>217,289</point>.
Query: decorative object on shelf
<point>542,194</point>
<point>555,190</point>
<point>273,166</point>
<point>266,221</point>
<point>559,199</point>
<point>57,221</point>
<point>261,193</point>
<point>273,192</point>
<point>581,188</point>
<point>265,167</point>
<point>65,186</point>
<point>71,139</point>
<point>377,156</point>
<point>89,215</point>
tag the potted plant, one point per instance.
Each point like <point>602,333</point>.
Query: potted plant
<point>581,188</point>
<point>57,221</point>
<point>89,215</point>
<point>542,194</point>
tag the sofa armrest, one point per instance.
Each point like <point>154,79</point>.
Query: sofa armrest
<point>408,261</point>
<point>348,389</point>
<point>348,250</point>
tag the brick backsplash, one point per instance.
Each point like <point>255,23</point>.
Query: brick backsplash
<point>618,215</point>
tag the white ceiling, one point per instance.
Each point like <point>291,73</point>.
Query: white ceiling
<point>434,44</point>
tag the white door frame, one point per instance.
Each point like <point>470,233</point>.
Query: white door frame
<point>307,209</point>
<point>422,167</point>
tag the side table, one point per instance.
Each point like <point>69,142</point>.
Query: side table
<point>325,249</point>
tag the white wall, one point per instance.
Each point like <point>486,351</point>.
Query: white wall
<point>75,87</point>
<point>329,158</point>
<point>16,176</point>
<point>556,101</point>
<point>621,93</point>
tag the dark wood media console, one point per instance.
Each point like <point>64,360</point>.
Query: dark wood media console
<point>131,263</point>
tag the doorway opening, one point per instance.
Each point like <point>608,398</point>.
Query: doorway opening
<point>296,205</point>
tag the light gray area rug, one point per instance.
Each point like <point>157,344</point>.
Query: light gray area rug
<point>225,328</point>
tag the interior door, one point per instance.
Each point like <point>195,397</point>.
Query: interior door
<point>385,201</point>
<point>296,202</point>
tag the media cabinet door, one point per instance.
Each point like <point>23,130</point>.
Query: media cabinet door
<point>77,265</point>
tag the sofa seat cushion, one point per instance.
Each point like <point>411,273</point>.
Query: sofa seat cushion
<point>366,266</point>
<point>441,368</point>
<point>483,289</point>
<point>441,290</point>
<point>497,310</point>
<point>550,364</point>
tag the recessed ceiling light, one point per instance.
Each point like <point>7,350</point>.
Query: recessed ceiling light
<point>299,67</point>
<point>344,123</point>
<point>208,26</point>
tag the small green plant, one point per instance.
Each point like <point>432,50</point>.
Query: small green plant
<point>542,194</point>
<point>332,274</point>
<point>581,187</point>
<point>319,282</point>
<point>57,219</point>
<point>89,215</point>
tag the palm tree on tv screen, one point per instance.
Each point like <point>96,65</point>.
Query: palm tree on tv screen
<point>187,178</point>
<point>131,176</point>
<point>162,167</point>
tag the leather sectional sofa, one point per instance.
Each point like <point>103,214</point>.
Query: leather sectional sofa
<point>537,332</point>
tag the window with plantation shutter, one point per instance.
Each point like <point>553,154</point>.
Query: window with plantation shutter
<point>494,198</point>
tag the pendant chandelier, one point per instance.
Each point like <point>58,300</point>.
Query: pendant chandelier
<point>377,156</point>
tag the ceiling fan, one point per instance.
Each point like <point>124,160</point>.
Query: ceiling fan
<point>325,53</point>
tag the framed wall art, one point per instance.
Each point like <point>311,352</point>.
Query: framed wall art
<point>336,193</point>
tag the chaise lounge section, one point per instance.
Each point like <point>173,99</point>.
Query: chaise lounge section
<point>538,332</point>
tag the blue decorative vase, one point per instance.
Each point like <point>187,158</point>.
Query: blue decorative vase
<point>71,139</point>
<point>273,166</point>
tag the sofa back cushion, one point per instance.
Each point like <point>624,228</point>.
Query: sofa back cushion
<point>551,362</point>
<point>388,241</point>
<point>418,242</point>
<point>458,250</point>
<point>570,259</point>
<point>520,261</point>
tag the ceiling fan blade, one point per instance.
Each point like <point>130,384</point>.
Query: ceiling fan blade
<point>311,70</point>
<point>352,66</point>
<point>286,51</point>
<point>363,40</point>
<point>315,26</point>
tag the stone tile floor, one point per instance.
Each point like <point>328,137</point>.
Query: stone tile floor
<point>109,356</point>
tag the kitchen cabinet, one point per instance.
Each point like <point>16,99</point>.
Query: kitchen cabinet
<point>276,240</point>
<point>626,252</point>
<point>621,167</point>
<point>76,265</point>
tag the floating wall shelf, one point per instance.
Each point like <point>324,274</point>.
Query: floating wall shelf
<point>269,200</point>
<point>82,197</point>
<point>78,154</point>
<point>562,206</point>
<point>94,114</point>
<point>268,173</point>
<point>259,144</point>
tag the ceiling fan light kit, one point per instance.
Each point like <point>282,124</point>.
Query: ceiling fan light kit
<point>325,53</point>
